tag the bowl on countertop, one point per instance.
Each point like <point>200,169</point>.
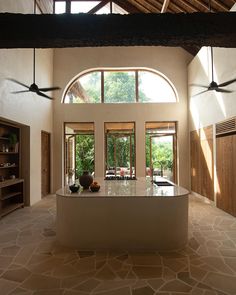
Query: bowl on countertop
<point>74,188</point>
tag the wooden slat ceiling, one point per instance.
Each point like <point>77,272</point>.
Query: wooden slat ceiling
<point>174,6</point>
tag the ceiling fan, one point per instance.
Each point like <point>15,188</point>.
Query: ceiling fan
<point>214,85</point>
<point>34,87</point>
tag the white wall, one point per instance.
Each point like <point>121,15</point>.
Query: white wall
<point>28,109</point>
<point>212,107</point>
<point>170,61</point>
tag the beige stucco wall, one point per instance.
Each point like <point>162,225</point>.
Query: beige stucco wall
<point>28,109</point>
<point>211,107</point>
<point>172,62</point>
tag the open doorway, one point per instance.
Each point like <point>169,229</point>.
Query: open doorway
<point>79,150</point>
<point>161,149</point>
<point>120,150</point>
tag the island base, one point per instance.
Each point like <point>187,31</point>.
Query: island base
<point>139,224</point>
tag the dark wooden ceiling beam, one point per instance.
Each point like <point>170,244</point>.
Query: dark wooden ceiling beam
<point>98,6</point>
<point>85,30</point>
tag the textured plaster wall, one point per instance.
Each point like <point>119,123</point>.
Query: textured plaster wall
<point>211,107</point>
<point>28,109</point>
<point>172,62</point>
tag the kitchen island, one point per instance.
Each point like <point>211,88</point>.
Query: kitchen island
<point>124,214</point>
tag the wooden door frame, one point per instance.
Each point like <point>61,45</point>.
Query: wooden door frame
<point>49,161</point>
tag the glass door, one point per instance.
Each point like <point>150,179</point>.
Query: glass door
<point>161,150</point>
<point>79,150</point>
<point>120,150</point>
<point>162,155</point>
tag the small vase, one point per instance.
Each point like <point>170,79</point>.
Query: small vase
<point>86,179</point>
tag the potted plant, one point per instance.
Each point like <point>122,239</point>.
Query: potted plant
<point>13,141</point>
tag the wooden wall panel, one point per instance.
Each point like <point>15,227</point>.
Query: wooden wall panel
<point>202,176</point>
<point>226,173</point>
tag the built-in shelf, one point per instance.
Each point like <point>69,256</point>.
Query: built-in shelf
<point>12,166</point>
<point>4,138</point>
<point>10,153</point>
<point>11,183</point>
<point>10,195</point>
<point>8,182</point>
<point>11,208</point>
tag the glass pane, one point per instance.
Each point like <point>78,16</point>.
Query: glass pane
<point>154,88</point>
<point>79,150</point>
<point>84,154</point>
<point>119,87</point>
<point>82,6</point>
<point>162,156</point>
<point>87,89</point>
<point>60,7</point>
<point>120,150</point>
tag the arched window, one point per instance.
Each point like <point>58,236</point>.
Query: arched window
<point>120,86</point>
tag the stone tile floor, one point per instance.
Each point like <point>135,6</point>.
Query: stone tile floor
<point>32,262</point>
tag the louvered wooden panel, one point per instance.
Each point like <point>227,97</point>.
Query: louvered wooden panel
<point>46,6</point>
<point>226,173</point>
<point>202,177</point>
<point>226,126</point>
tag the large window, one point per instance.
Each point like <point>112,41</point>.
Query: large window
<point>79,150</point>
<point>120,86</point>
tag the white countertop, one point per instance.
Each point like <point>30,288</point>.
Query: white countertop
<point>141,187</point>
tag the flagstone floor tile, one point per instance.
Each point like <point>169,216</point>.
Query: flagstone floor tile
<point>32,262</point>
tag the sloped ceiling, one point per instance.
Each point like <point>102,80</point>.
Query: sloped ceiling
<point>175,6</point>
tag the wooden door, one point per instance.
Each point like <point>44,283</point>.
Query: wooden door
<point>202,165</point>
<point>226,173</point>
<point>45,163</point>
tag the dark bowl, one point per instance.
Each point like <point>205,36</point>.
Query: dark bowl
<point>94,188</point>
<point>74,188</point>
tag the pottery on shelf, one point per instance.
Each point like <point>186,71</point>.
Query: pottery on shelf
<point>85,179</point>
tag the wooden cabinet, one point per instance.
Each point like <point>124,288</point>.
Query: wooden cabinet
<point>11,183</point>
<point>226,173</point>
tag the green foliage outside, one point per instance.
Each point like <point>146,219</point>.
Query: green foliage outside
<point>122,151</point>
<point>162,154</point>
<point>119,87</point>
<point>93,87</point>
<point>84,154</point>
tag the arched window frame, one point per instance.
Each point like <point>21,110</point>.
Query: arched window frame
<point>135,70</point>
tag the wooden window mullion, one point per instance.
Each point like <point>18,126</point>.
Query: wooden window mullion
<point>136,87</point>
<point>68,6</point>
<point>102,86</point>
